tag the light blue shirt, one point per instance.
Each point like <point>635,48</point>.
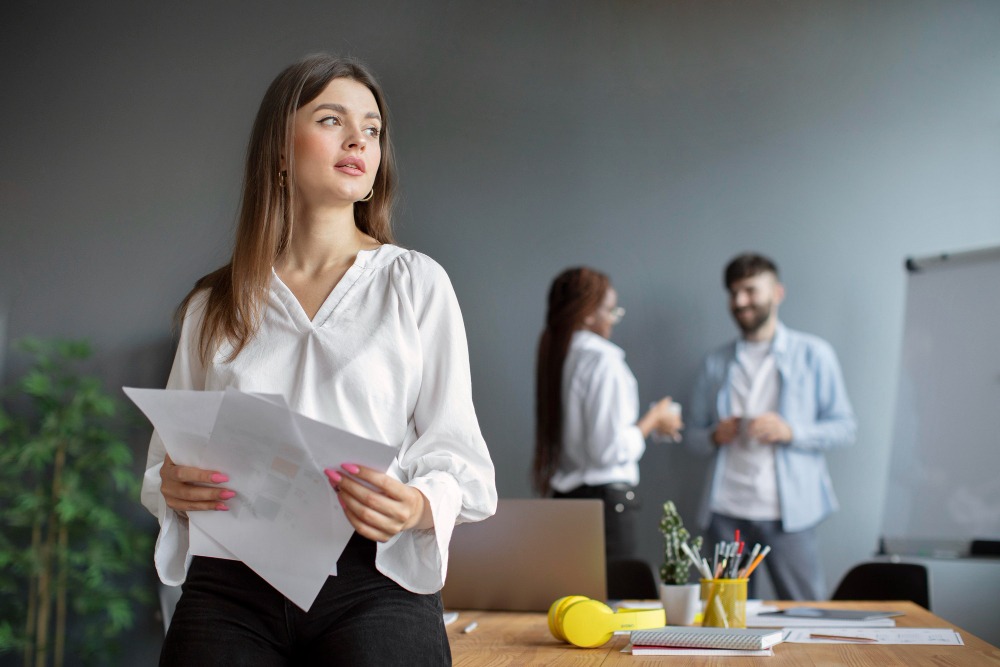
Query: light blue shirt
<point>813,401</point>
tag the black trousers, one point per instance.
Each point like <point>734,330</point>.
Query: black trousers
<point>621,516</point>
<point>228,615</point>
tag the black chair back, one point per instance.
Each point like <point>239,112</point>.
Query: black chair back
<point>886,581</point>
<point>631,579</point>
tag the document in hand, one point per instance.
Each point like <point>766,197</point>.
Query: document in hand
<point>285,522</point>
<point>692,637</point>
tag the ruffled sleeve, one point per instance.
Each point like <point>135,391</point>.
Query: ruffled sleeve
<point>444,454</point>
<point>171,553</point>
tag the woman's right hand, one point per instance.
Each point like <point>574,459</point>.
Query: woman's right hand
<point>183,488</point>
<point>663,418</point>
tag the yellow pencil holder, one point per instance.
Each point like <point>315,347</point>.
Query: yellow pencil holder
<point>725,603</point>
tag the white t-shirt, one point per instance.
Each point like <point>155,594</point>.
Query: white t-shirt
<point>749,485</point>
<point>386,358</point>
<point>601,442</point>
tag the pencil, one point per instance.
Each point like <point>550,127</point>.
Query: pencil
<point>750,559</point>
<point>757,560</point>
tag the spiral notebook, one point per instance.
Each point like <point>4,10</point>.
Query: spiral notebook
<point>749,639</point>
<point>663,650</point>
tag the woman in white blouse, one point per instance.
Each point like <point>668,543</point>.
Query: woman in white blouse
<point>317,305</point>
<point>588,433</point>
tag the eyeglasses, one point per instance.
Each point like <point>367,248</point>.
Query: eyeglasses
<point>616,314</point>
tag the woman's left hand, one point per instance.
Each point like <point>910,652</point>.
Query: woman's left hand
<point>383,506</point>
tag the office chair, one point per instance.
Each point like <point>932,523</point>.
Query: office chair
<point>631,579</point>
<point>886,581</point>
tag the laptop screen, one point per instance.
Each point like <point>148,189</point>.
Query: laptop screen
<point>529,554</point>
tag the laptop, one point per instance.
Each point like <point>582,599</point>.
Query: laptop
<point>529,554</point>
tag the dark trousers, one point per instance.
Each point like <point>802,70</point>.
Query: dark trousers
<point>228,615</point>
<point>793,564</point>
<point>621,516</point>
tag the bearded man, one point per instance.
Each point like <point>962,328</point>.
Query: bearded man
<point>767,407</point>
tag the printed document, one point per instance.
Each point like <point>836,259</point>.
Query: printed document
<point>931,636</point>
<point>285,521</point>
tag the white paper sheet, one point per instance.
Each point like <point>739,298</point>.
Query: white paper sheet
<point>285,522</point>
<point>935,636</point>
<point>757,620</point>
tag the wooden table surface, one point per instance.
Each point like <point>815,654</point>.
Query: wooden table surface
<point>512,638</point>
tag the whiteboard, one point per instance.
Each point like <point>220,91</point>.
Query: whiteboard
<point>944,469</point>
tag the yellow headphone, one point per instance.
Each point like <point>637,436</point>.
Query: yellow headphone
<point>588,623</point>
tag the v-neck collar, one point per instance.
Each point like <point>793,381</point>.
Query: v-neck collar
<point>333,299</point>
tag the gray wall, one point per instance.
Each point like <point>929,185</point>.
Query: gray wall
<point>652,140</point>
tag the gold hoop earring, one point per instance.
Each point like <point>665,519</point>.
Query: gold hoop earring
<point>282,179</point>
<point>370,195</point>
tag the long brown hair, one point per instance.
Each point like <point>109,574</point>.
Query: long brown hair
<point>238,290</point>
<point>575,294</point>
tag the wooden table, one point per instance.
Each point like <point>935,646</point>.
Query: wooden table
<point>511,638</point>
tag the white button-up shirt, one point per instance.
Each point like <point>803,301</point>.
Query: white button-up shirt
<point>386,358</point>
<point>601,442</point>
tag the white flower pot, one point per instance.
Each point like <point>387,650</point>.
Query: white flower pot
<point>681,602</point>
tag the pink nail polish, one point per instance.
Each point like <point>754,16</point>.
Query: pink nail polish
<point>226,495</point>
<point>222,507</point>
<point>334,476</point>
<point>219,478</point>
<point>351,468</point>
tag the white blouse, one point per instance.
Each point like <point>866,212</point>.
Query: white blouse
<point>601,442</point>
<point>386,358</point>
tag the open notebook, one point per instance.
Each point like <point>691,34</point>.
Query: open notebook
<point>526,556</point>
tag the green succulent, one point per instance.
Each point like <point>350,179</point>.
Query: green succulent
<point>676,568</point>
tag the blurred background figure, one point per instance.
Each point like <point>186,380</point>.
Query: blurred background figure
<point>767,406</point>
<point>588,433</point>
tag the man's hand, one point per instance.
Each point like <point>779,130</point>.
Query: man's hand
<point>726,431</point>
<point>383,506</point>
<point>769,428</point>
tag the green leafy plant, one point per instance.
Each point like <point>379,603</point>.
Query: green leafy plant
<point>676,568</point>
<point>66,551</point>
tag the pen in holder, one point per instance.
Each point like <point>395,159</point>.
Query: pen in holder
<point>725,603</point>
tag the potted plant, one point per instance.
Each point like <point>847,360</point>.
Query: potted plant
<point>680,598</point>
<point>68,555</point>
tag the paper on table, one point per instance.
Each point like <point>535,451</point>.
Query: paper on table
<point>765,620</point>
<point>285,522</point>
<point>937,636</point>
<point>837,614</point>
